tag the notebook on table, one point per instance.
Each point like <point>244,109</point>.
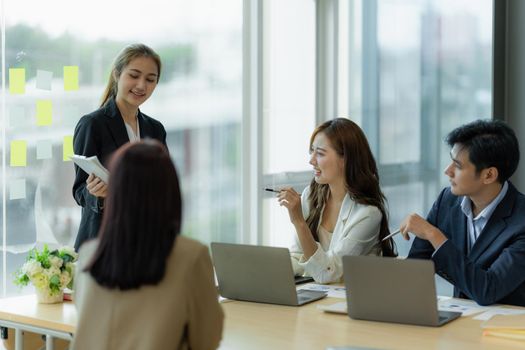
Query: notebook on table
<point>393,290</point>
<point>258,274</point>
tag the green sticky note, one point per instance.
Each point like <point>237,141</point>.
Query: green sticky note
<point>70,78</point>
<point>68,148</point>
<point>44,111</point>
<point>18,153</point>
<point>17,81</point>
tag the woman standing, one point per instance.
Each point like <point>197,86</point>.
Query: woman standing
<point>342,212</point>
<point>133,78</point>
<point>141,285</point>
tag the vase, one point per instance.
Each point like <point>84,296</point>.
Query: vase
<point>44,297</point>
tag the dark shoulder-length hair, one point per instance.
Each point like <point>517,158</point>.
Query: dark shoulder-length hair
<point>361,176</point>
<point>141,220</point>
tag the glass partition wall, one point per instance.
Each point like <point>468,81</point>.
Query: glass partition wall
<point>57,58</point>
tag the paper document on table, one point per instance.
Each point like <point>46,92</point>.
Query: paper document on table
<point>224,300</point>
<point>91,165</point>
<point>505,322</point>
<point>332,291</point>
<point>487,315</point>
<point>336,308</point>
<point>466,307</point>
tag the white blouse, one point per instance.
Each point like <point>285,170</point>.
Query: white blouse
<point>325,237</point>
<point>131,134</point>
<point>356,233</point>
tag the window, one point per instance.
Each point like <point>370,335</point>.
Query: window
<point>416,70</point>
<point>198,100</point>
<point>289,103</point>
<point>407,72</point>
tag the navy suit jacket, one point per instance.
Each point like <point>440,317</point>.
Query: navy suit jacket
<point>494,270</point>
<point>101,133</point>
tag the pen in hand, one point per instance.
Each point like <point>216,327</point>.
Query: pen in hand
<point>272,190</point>
<point>391,235</point>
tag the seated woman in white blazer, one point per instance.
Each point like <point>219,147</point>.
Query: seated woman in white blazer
<point>342,212</point>
<point>141,285</point>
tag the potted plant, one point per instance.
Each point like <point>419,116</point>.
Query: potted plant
<point>49,271</point>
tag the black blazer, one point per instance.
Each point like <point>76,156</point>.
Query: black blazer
<point>101,133</point>
<point>494,270</point>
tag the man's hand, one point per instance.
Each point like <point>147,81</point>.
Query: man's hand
<point>422,229</point>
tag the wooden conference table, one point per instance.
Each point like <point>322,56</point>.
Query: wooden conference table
<point>24,313</point>
<point>264,326</point>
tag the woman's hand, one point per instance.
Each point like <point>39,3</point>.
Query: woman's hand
<point>96,186</point>
<point>290,199</point>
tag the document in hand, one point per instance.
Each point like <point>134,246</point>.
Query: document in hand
<point>91,165</point>
<point>505,326</point>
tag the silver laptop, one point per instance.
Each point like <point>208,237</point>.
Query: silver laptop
<point>260,274</point>
<point>393,290</point>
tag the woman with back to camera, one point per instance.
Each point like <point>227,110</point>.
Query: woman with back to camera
<point>342,211</point>
<point>133,78</point>
<point>140,284</point>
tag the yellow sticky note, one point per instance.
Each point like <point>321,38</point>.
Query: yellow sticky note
<point>44,111</point>
<point>18,153</point>
<point>17,80</point>
<point>70,78</point>
<point>68,148</point>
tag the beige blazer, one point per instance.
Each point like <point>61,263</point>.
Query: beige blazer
<point>181,312</point>
<point>356,232</point>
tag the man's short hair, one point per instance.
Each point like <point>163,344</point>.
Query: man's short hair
<point>491,143</point>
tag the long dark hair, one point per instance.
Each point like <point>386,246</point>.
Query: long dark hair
<point>128,54</point>
<point>361,176</point>
<point>141,220</point>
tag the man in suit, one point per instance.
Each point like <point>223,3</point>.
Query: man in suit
<point>475,231</point>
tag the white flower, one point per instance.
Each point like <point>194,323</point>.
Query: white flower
<point>69,251</point>
<point>65,278</point>
<point>31,268</point>
<point>55,261</point>
<point>40,281</point>
<point>57,276</point>
<point>52,271</point>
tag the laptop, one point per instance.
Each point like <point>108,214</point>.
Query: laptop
<point>259,274</point>
<point>393,290</point>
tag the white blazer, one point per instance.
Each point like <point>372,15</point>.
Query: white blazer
<point>356,233</point>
